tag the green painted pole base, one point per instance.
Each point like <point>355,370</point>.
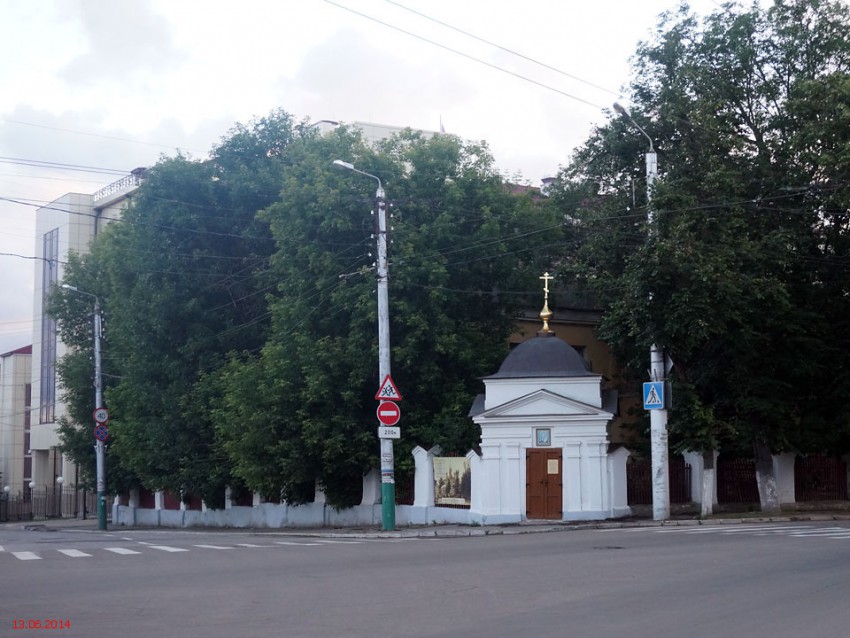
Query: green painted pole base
<point>388,506</point>
<point>101,510</point>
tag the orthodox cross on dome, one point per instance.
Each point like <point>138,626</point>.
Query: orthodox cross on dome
<point>546,314</point>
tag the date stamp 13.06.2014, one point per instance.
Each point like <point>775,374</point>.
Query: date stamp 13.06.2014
<point>41,623</point>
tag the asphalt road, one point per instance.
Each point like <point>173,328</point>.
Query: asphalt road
<point>771,580</point>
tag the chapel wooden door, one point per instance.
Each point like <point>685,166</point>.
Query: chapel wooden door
<point>544,484</point>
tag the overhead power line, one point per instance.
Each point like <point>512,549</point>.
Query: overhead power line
<point>20,161</point>
<point>466,55</point>
<point>505,49</point>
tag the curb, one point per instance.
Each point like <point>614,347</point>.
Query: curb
<point>439,531</point>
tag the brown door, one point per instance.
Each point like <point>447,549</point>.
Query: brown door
<point>543,484</point>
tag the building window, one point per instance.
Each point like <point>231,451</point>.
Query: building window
<point>49,278</point>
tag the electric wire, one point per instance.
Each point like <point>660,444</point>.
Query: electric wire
<point>502,48</point>
<point>466,55</point>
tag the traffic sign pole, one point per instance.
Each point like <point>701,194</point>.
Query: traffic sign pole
<point>382,272</point>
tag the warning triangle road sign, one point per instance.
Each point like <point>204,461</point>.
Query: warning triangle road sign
<point>388,391</point>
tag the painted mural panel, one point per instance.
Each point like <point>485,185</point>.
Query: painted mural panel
<point>452,481</point>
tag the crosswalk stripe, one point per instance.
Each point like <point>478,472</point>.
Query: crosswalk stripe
<point>73,553</point>
<point>212,547</point>
<point>728,529</point>
<point>121,550</point>
<point>166,548</point>
<point>26,555</point>
<point>795,531</point>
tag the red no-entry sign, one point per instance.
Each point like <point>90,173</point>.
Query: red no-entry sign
<point>388,413</point>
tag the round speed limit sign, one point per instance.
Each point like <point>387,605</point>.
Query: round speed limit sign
<point>101,415</point>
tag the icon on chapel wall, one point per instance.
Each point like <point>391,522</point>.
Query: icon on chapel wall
<point>543,437</point>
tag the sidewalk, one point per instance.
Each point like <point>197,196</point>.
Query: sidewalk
<point>428,531</point>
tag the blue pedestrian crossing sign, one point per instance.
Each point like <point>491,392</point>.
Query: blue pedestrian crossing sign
<point>653,395</point>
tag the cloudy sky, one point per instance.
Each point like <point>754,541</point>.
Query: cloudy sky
<point>112,84</point>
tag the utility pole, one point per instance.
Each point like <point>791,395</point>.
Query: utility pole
<point>384,371</point>
<point>657,372</point>
<point>99,447</point>
<point>100,452</point>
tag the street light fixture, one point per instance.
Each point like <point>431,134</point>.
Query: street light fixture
<point>657,418</point>
<point>387,459</point>
<point>98,403</point>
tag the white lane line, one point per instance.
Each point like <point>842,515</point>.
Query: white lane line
<point>26,555</point>
<point>73,553</point>
<point>166,548</point>
<point>212,547</point>
<point>1,549</point>
<point>297,544</point>
<point>121,550</point>
<point>327,542</point>
<point>251,545</point>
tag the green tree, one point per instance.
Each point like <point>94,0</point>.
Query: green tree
<point>304,410</point>
<point>182,279</point>
<point>743,280</point>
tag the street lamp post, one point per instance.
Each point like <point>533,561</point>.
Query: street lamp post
<point>657,418</point>
<point>98,403</point>
<point>59,481</point>
<point>387,459</point>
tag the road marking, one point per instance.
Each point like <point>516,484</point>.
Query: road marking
<point>1,549</point>
<point>26,555</point>
<point>166,548</point>
<point>212,547</point>
<point>298,544</point>
<point>121,550</point>
<point>338,542</point>
<point>729,530</point>
<point>796,531</point>
<point>73,553</point>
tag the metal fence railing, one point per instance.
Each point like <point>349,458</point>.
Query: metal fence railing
<point>42,504</point>
<point>820,478</point>
<point>639,481</point>
<point>736,481</point>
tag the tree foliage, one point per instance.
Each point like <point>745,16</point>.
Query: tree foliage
<point>460,243</point>
<point>179,276</point>
<point>241,315</point>
<point>742,276</point>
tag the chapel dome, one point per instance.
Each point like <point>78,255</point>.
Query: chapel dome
<point>543,356</point>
